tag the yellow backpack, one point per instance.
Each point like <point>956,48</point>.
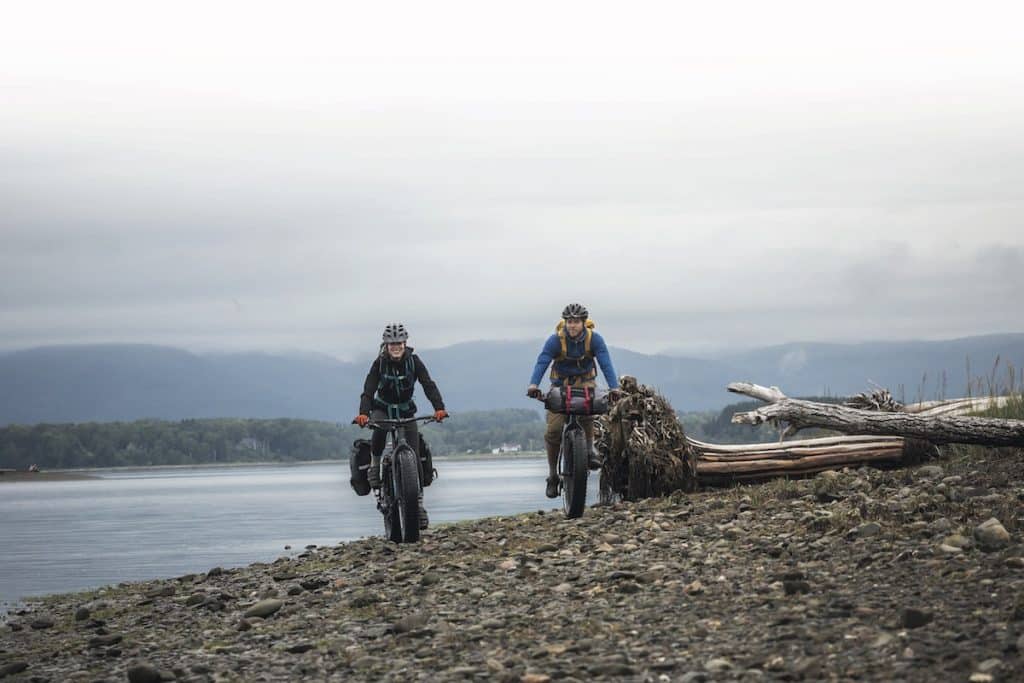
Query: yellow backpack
<point>588,328</point>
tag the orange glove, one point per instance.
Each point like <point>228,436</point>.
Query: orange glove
<point>361,420</point>
<point>440,415</point>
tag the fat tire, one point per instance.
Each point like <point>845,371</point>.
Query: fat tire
<point>407,493</point>
<point>392,527</point>
<point>574,480</point>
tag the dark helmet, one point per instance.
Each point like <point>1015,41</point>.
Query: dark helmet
<point>575,311</point>
<point>395,333</point>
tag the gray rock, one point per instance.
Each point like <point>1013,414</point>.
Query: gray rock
<point>991,535</point>
<point>958,541</point>
<point>105,641</point>
<point>365,662</point>
<point>12,668</point>
<point>412,622</point>
<point>82,613</point>
<point>143,673</point>
<point>195,599</point>
<point>299,648</point>
<point>929,472</point>
<point>867,529</point>
<point>911,617</point>
<point>264,608</point>
<point>990,665</point>
<point>41,623</point>
<point>718,664</point>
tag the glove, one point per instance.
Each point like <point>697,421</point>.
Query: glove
<point>615,394</point>
<point>440,415</point>
<point>362,420</point>
<point>534,392</point>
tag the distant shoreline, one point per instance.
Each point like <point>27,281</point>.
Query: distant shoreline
<point>95,473</point>
<point>56,475</point>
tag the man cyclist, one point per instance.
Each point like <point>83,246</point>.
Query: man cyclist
<point>571,352</point>
<point>387,394</point>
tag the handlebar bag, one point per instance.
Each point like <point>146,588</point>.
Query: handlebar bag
<point>577,401</point>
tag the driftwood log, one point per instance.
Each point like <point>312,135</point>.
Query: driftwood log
<point>937,428</point>
<point>646,452</point>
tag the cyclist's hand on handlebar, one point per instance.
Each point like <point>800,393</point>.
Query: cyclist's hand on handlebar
<point>615,394</point>
<point>534,392</point>
<point>440,415</point>
<point>362,420</point>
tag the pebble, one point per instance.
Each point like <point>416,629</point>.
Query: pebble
<point>12,668</point>
<point>867,529</point>
<point>264,608</point>
<point>991,535</point>
<point>912,617</point>
<point>143,673</point>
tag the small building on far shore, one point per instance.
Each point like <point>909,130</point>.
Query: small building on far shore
<point>507,448</point>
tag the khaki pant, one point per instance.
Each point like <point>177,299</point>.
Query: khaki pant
<point>556,423</point>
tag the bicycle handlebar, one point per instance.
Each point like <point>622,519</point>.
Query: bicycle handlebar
<point>397,422</point>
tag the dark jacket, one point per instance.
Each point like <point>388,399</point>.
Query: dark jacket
<point>390,384</point>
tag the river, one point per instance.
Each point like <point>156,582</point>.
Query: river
<point>129,525</point>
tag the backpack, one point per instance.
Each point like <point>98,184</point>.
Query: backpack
<point>588,355</point>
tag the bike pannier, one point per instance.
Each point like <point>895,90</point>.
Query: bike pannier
<point>359,464</point>
<point>577,400</point>
<point>427,471</point>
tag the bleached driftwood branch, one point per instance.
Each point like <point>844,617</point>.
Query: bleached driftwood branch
<point>939,428</point>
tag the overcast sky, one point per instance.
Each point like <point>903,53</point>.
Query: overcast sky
<point>222,175</point>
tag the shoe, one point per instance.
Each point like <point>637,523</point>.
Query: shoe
<point>424,519</point>
<point>594,460</point>
<point>552,489</point>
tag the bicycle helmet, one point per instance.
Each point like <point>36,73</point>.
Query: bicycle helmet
<point>575,311</point>
<point>395,333</point>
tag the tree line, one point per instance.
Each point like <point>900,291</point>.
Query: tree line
<point>151,442</point>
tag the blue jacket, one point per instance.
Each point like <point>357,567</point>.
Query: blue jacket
<point>575,349</point>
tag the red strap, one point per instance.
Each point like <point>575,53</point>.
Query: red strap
<point>568,398</point>
<point>586,400</point>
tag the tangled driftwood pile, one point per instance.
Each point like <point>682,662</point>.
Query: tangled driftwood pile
<point>646,453</point>
<point>644,448</point>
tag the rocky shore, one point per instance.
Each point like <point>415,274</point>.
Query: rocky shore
<point>862,574</point>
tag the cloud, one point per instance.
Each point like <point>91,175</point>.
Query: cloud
<point>300,182</point>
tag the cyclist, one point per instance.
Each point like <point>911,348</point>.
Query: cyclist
<point>571,352</point>
<point>387,394</point>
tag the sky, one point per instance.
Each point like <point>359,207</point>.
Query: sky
<point>702,176</point>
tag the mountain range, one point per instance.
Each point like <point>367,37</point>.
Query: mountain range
<point>112,382</point>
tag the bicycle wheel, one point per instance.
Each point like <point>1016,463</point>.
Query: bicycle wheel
<point>574,472</point>
<point>407,493</point>
<point>392,527</point>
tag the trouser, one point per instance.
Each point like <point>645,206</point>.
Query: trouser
<point>410,431</point>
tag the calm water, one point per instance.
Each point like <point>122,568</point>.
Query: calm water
<point>144,524</point>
